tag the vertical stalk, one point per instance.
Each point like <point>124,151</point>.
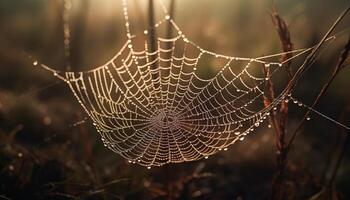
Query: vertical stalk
<point>152,38</point>
<point>78,36</point>
<point>171,14</point>
<point>169,32</point>
<point>278,119</point>
<point>343,147</point>
<point>67,4</point>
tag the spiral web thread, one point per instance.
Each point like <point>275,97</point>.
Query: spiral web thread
<point>179,115</point>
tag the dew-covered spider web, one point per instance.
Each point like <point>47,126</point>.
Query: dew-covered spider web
<point>158,106</point>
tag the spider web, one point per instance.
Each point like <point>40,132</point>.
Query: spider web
<point>157,107</point>
<point>183,117</point>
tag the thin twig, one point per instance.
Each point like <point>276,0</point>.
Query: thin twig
<point>340,65</point>
<point>310,58</point>
<point>342,151</point>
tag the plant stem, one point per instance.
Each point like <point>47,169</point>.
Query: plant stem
<point>279,118</point>
<point>342,151</point>
<point>340,65</point>
<point>152,35</point>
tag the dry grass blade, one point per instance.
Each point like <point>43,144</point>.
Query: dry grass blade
<point>278,119</point>
<point>310,58</point>
<point>340,65</point>
<point>285,38</point>
<point>342,150</point>
<point>329,191</point>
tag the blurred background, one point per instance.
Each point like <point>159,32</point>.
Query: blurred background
<point>49,150</point>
